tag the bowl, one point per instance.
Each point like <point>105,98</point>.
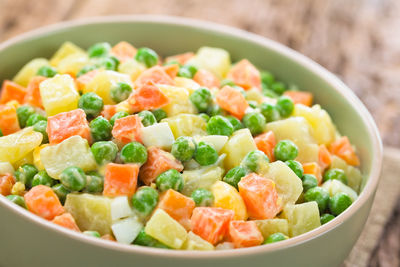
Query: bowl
<point>27,239</point>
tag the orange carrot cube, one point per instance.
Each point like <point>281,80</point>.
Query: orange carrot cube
<point>245,75</point>
<point>155,75</point>
<point>32,96</point>
<point>181,58</point>
<point>120,179</point>
<point>42,201</point>
<point>300,97</point>
<point>109,111</point>
<point>86,78</point>
<point>66,220</point>
<point>12,91</point>
<point>266,143</point>
<point>314,169</point>
<point>147,97</point>
<point>6,183</point>
<point>343,149</point>
<point>206,78</point>
<point>128,129</point>
<point>8,119</point>
<point>324,157</point>
<point>244,234</point>
<point>123,51</point>
<point>108,237</point>
<point>172,70</point>
<point>233,101</point>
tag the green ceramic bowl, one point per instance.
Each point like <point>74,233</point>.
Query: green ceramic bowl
<point>27,240</point>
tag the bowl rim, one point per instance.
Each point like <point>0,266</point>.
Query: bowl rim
<point>328,77</point>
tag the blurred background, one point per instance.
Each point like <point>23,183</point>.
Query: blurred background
<point>358,40</point>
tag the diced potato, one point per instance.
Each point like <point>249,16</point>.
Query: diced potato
<point>224,246</point>
<point>16,146</point>
<point>91,212</point>
<point>36,157</point>
<point>336,186</point>
<point>254,95</point>
<point>59,94</point>
<point>126,230</point>
<point>162,227</point>
<point>73,63</point>
<point>227,197</point>
<point>64,51</point>
<point>302,217</point>
<point>120,208</point>
<point>132,68</point>
<point>29,70</point>
<point>186,83</point>
<point>123,106</point>
<point>354,176</point>
<point>237,147</point>
<point>27,159</point>
<point>195,242</point>
<point>271,226</point>
<point>103,82</point>
<point>216,60</point>
<point>204,177</point>
<point>6,167</point>
<point>217,141</point>
<point>73,151</point>
<point>179,101</point>
<point>320,121</point>
<point>186,125</point>
<point>159,135</point>
<point>288,185</point>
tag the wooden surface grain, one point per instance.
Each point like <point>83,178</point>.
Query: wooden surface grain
<point>358,40</point>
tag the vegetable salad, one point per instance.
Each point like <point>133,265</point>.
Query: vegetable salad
<point>191,152</point>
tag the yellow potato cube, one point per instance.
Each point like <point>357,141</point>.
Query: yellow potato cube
<point>227,197</point>
<point>132,68</point>
<point>65,50</point>
<point>204,177</point>
<point>27,159</point>
<point>179,101</point>
<point>215,60</point>
<point>6,167</point>
<point>354,176</point>
<point>73,63</point>
<point>186,83</point>
<point>254,95</point>
<point>36,157</point>
<point>335,186</point>
<point>271,226</point>
<point>29,70</point>
<point>302,218</point>
<point>186,125</point>
<point>195,242</point>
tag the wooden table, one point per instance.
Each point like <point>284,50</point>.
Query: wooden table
<point>359,40</point>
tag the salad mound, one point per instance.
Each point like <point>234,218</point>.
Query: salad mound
<point>189,152</point>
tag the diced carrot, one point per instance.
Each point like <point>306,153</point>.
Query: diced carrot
<point>86,78</point>
<point>211,224</point>
<point>109,111</point>
<point>181,58</point>
<point>123,51</point>
<point>108,237</point>
<point>324,157</point>
<point>158,161</point>
<point>66,124</point>
<point>266,143</point>
<point>244,234</point>
<point>300,97</point>
<point>172,70</point>
<point>42,201</point>
<point>178,206</point>
<point>260,196</point>
<point>314,169</point>
<point>12,91</point>
<point>245,75</point>
<point>6,183</point>
<point>66,220</point>
<point>128,129</point>
<point>206,78</point>
<point>32,96</point>
<point>343,149</point>
<point>156,75</point>
<point>120,179</point>
<point>8,119</point>
<point>147,97</point>
<point>233,101</point>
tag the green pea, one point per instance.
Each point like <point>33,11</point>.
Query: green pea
<point>202,197</point>
<point>267,78</point>
<point>309,181</point>
<point>20,201</point>
<point>326,218</point>
<point>285,106</point>
<point>118,115</point>
<point>61,192</point>
<point>219,125</point>
<point>234,175</point>
<point>172,62</point>
<point>335,174</point>
<point>269,93</point>
<point>104,151</point>
<point>42,178</point>
<point>339,203</point>
<point>236,123</point>
<point>99,50</point>
<point>47,71</point>
<point>147,56</point>
<point>240,89</point>
<point>183,148</point>
<point>170,179</point>
<point>73,178</point>
<point>34,118</point>
<point>144,239</point>
<point>205,154</point>
<point>319,195</point>
<point>92,233</point>
<point>94,182</point>
<point>25,174</point>
<point>204,116</point>
<point>108,63</point>
<point>255,121</point>
<point>91,103</point>
<point>226,82</point>
<point>278,87</point>
<point>85,70</point>
<point>254,161</point>
<point>145,200</point>
<point>23,114</point>
<point>214,110</point>
<point>120,92</point>
<point>285,150</point>
<point>159,114</point>
<point>187,71</point>
<point>275,237</point>
<point>100,128</point>
<point>296,167</point>
<point>41,127</point>
<point>252,104</point>
<point>1,133</point>
<point>147,118</point>
<point>134,152</point>
<point>270,112</point>
<point>201,99</point>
